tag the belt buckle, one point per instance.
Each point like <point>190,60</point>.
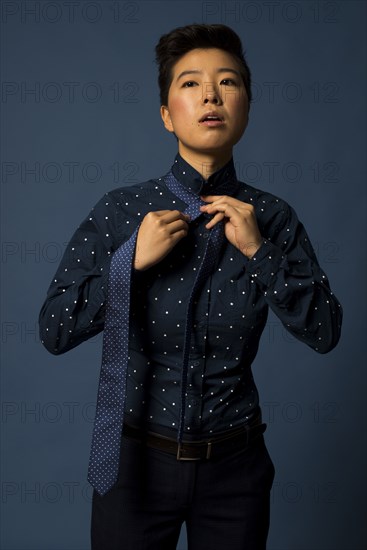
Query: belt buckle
<point>180,457</point>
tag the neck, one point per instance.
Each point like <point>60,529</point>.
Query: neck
<point>206,164</point>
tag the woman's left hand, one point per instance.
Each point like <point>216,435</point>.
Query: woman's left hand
<point>240,224</point>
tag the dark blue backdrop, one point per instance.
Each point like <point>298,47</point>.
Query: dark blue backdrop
<point>80,110</point>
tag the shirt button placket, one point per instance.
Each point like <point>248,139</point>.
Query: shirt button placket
<point>193,409</point>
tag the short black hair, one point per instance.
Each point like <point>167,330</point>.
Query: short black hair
<point>172,46</point>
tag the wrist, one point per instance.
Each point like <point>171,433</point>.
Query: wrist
<point>250,249</point>
<point>140,265</point>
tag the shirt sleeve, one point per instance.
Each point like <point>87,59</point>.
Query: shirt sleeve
<point>286,270</point>
<point>74,308</point>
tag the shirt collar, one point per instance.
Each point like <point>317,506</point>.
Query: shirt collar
<point>222,182</point>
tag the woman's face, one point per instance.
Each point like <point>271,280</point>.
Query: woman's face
<point>207,103</point>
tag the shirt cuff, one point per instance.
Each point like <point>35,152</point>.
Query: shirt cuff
<point>266,262</point>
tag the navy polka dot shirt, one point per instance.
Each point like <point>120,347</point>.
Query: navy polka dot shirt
<point>229,314</point>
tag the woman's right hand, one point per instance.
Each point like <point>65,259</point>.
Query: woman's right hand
<point>158,234</point>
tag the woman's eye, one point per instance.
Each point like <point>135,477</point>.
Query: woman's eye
<point>229,82</point>
<point>189,84</point>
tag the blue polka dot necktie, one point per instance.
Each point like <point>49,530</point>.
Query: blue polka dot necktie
<point>104,456</point>
<point>105,450</point>
<point>210,256</point>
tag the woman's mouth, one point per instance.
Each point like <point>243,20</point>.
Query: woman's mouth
<point>211,119</point>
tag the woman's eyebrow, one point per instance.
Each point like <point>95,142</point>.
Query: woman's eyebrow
<point>197,71</point>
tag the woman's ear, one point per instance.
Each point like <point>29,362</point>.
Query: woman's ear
<point>166,117</point>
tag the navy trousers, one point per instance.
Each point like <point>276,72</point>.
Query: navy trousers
<point>224,501</point>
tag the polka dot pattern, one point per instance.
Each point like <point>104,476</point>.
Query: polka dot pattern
<point>104,457</point>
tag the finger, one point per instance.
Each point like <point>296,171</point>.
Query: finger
<point>216,219</point>
<point>212,207</point>
<point>177,225</point>
<point>173,215</point>
<point>228,210</point>
<point>211,198</point>
<point>168,216</point>
<point>221,199</point>
<point>178,235</point>
<point>230,207</point>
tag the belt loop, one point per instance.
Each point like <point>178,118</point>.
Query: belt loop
<point>209,450</point>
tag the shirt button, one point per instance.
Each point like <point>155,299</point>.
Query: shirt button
<point>258,271</point>
<point>195,363</point>
<point>205,235</point>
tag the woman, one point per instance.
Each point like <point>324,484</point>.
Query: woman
<point>180,272</point>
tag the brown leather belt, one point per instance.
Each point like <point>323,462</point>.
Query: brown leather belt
<point>205,449</point>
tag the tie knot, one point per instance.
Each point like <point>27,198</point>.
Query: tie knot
<point>193,200</point>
